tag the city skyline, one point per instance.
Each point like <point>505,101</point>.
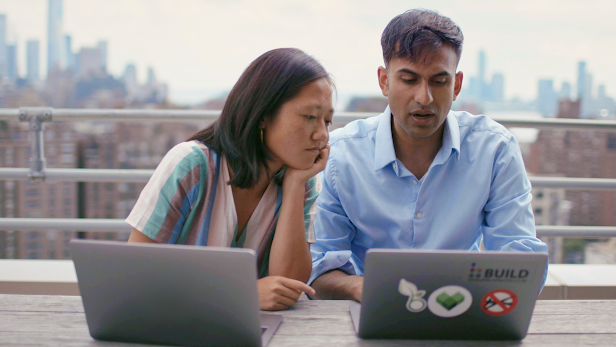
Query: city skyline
<point>193,69</point>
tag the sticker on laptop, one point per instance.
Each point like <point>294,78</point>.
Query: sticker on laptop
<point>499,302</point>
<point>416,302</point>
<point>450,301</point>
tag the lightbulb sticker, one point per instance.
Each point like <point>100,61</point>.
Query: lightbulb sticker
<point>416,302</point>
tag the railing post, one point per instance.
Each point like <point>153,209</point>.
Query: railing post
<point>36,116</point>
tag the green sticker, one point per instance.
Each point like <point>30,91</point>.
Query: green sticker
<point>449,302</point>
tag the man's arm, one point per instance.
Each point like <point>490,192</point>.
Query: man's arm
<point>509,224</point>
<point>337,285</point>
<point>331,253</point>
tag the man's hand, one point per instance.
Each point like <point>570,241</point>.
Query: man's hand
<point>357,285</point>
<point>279,293</point>
<point>337,285</point>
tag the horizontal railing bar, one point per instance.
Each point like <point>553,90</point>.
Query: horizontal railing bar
<point>119,115</point>
<point>575,231</point>
<point>126,175</point>
<point>119,225</point>
<point>81,175</point>
<point>73,224</point>
<point>573,183</point>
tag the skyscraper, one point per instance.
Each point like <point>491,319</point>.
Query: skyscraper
<point>54,35</point>
<point>565,91</point>
<point>33,65</point>
<point>3,62</point>
<point>90,62</point>
<point>151,77</point>
<point>71,59</point>
<point>581,79</point>
<point>497,90</point>
<point>11,62</point>
<point>546,99</point>
<point>481,75</point>
<point>102,46</point>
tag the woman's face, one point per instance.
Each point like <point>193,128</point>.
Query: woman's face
<point>299,131</point>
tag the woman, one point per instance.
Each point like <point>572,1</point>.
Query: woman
<point>249,179</point>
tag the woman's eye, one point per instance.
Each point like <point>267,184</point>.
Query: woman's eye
<point>311,117</point>
<point>328,122</point>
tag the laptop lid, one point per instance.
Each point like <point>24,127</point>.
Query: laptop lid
<point>170,294</point>
<point>418,294</point>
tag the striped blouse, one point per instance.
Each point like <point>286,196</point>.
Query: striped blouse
<point>187,201</point>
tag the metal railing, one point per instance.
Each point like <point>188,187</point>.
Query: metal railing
<point>119,225</point>
<point>37,117</point>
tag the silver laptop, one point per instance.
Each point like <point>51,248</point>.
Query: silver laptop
<point>171,294</point>
<point>414,294</point>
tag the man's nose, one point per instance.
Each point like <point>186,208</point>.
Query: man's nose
<point>423,95</point>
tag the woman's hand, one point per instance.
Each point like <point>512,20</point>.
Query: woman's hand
<point>279,293</point>
<point>301,176</point>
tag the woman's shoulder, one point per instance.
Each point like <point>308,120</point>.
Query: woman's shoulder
<point>189,153</point>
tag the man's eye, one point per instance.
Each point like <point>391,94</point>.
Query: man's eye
<point>440,83</point>
<point>328,123</point>
<point>408,80</point>
<point>311,117</point>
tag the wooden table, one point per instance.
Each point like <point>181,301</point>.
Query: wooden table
<point>46,320</point>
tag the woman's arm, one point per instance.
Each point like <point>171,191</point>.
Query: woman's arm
<point>137,236</point>
<point>290,253</point>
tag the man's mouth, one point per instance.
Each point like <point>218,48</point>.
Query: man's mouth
<point>422,115</point>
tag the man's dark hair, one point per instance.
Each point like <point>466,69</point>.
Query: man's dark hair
<point>268,82</point>
<point>419,33</point>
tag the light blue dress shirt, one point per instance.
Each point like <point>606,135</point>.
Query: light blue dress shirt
<point>475,189</point>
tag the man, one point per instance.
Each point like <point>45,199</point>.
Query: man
<point>419,175</point>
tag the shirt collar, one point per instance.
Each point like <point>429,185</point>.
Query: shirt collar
<point>451,139</point>
<point>385,154</point>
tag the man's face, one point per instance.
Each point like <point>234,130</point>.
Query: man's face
<point>420,94</point>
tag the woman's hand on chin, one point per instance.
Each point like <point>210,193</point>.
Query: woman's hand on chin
<point>279,293</point>
<point>301,176</point>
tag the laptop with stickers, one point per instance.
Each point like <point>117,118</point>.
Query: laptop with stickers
<point>415,294</point>
<point>171,294</point>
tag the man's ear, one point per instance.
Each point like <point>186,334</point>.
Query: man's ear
<point>383,81</point>
<point>458,85</point>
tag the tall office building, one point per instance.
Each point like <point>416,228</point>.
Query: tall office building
<point>565,91</point>
<point>71,59</point>
<point>481,75</point>
<point>589,100</point>
<point>481,66</point>
<point>546,98</point>
<point>90,62</point>
<point>151,76</point>
<point>102,46</point>
<point>33,64</point>
<point>581,79</point>
<point>3,62</point>
<point>497,90</point>
<point>11,62</point>
<point>54,35</point>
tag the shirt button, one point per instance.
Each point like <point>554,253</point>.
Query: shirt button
<point>395,165</point>
<point>418,215</point>
<point>415,181</point>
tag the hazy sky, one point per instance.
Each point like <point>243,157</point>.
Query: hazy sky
<point>201,47</point>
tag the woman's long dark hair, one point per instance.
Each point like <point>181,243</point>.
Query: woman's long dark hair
<point>268,82</point>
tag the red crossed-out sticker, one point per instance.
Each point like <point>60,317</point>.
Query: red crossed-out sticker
<point>499,302</point>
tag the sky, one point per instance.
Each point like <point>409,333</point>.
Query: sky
<point>201,47</point>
